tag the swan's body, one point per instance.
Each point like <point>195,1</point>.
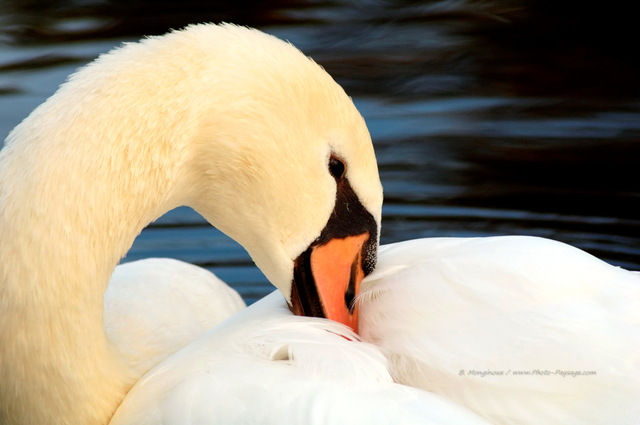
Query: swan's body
<point>510,327</point>
<point>265,366</point>
<point>234,123</point>
<point>154,307</point>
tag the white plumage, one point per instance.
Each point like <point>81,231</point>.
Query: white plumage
<point>265,366</point>
<point>518,329</point>
<point>156,306</point>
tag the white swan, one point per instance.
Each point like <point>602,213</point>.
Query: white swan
<point>237,124</point>
<point>520,330</point>
<point>268,148</point>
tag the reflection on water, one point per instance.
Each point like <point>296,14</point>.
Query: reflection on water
<point>488,117</point>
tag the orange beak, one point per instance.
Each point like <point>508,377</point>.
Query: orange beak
<point>327,285</point>
<point>327,275</point>
<point>337,269</point>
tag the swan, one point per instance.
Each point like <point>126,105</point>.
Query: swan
<point>520,330</point>
<point>259,140</point>
<point>234,123</point>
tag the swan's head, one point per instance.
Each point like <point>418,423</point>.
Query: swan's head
<point>281,161</point>
<point>240,126</point>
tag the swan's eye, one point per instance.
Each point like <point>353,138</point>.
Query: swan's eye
<point>336,167</point>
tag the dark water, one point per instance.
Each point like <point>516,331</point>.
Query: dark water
<point>489,118</point>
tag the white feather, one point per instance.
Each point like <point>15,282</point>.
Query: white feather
<point>265,366</point>
<point>156,306</point>
<point>510,327</point>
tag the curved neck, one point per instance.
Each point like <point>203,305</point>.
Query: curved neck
<point>68,213</point>
<point>198,117</point>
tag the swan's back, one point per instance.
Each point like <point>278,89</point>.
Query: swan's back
<point>156,306</point>
<point>511,327</point>
<point>265,366</point>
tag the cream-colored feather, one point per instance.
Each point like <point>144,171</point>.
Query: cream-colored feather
<point>228,120</point>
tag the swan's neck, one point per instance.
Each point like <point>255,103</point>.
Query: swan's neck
<point>194,118</point>
<point>68,213</point>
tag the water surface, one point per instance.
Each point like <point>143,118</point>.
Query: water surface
<point>488,118</point>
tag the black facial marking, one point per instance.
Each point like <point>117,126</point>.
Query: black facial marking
<point>304,288</point>
<point>349,218</point>
<point>350,295</point>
